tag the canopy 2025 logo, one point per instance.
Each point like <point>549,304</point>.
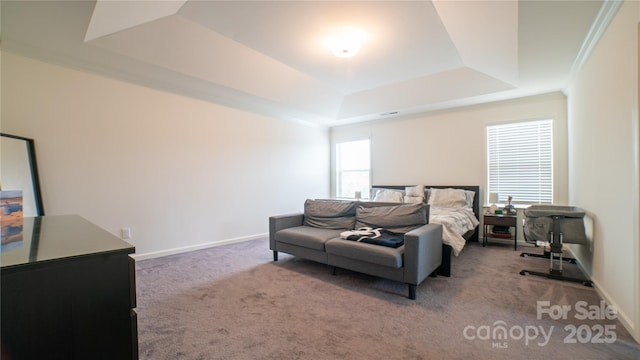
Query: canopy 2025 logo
<point>499,333</point>
<point>595,334</point>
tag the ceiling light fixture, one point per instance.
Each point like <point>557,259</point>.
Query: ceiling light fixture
<point>345,42</point>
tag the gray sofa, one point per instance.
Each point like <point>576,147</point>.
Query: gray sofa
<point>315,235</point>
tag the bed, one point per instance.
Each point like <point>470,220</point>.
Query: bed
<point>457,213</point>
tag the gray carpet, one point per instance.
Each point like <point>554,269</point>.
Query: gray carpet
<point>234,302</point>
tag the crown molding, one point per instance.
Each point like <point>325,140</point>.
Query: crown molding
<point>604,17</point>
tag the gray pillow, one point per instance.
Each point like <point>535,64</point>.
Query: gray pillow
<point>330,214</point>
<point>398,219</point>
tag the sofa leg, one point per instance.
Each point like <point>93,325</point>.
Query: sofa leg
<point>333,272</point>
<point>412,291</point>
<point>434,273</point>
<point>275,255</point>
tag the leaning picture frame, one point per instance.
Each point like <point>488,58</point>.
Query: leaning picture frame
<point>19,171</point>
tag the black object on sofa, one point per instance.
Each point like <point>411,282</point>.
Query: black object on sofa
<point>315,235</point>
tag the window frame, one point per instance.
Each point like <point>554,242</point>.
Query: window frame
<point>338,172</point>
<point>552,166</point>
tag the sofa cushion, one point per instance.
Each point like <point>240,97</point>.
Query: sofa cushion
<point>375,254</point>
<point>398,219</point>
<point>330,214</point>
<point>307,236</point>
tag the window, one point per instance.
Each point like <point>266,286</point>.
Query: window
<point>352,168</point>
<point>520,162</point>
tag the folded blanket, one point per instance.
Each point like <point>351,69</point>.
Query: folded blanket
<point>376,236</point>
<point>361,233</point>
<point>393,242</point>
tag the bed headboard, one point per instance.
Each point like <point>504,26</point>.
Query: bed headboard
<point>476,198</point>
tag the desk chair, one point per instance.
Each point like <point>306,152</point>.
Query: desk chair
<point>557,225</point>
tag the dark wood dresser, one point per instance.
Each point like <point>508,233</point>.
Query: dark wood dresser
<point>68,292</point>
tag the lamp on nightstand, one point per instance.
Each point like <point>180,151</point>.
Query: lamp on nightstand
<point>493,199</point>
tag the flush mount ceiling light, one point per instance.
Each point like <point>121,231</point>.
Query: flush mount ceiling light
<point>345,42</point>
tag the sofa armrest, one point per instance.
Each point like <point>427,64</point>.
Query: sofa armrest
<point>422,252</point>
<point>279,222</point>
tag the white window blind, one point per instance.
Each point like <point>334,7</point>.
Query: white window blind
<point>520,161</point>
<point>352,168</point>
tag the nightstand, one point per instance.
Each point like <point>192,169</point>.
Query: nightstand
<point>500,220</point>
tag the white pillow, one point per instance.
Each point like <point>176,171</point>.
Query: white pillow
<point>417,190</point>
<point>452,198</point>
<point>413,199</point>
<point>386,195</point>
<point>470,196</point>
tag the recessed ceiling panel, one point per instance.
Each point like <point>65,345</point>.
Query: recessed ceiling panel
<point>110,16</point>
<point>402,39</point>
<point>432,89</point>
<point>486,35</point>
<point>180,45</point>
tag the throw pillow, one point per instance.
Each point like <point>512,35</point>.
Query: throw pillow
<point>470,197</point>
<point>452,198</point>
<point>413,199</point>
<point>417,190</point>
<point>397,219</point>
<point>387,195</point>
<point>330,214</point>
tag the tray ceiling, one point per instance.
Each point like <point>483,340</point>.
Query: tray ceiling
<point>271,57</point>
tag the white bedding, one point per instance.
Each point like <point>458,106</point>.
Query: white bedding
<point>455,223</point>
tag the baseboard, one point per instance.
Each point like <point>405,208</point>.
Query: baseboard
<point>622,316</point>
<point>161,253</point>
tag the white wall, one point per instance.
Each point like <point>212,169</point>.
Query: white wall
<point>447,148</point>
<point>181,173</point>
<point>603,158</point>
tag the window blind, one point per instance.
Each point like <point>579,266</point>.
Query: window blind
<point>520,161</point>
<point>353,168</point>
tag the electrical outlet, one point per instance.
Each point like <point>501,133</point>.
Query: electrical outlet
<point>125,233</point>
